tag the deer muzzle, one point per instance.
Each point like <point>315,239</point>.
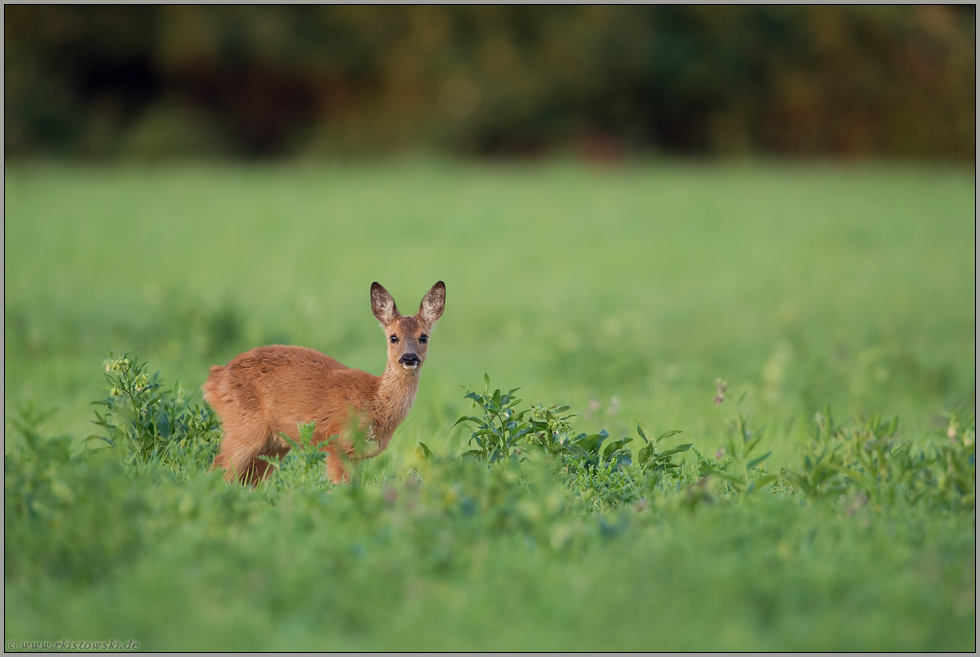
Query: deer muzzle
<point>409,361</point>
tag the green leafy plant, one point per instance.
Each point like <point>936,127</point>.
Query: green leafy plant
<point>603,472</point>
<point>500,432</point>
<point>653,461</point>
<point>151,424</point>
<point>869,457</point>
<point>506,431</point>
<point>34,486</point>
<point>740,468</point>
<point>617,479</point>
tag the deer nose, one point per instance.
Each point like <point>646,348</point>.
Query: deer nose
<point>409,359</point>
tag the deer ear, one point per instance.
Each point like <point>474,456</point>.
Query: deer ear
<point>433,303</point>
<point>382,305</point>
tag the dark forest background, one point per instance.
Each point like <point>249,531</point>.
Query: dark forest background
<point>152,82</point>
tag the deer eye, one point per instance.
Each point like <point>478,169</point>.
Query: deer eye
<point>423,338</point>
<point>393,339</point>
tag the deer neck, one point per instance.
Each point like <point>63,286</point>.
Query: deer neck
<point>396,393</point>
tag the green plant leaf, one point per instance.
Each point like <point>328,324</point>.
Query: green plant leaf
<point>612,447</point>
<point>590,443</point>
<point>679,448</point>
<point>727,477</point>
<point>466,418</point>
<point>754,462</point>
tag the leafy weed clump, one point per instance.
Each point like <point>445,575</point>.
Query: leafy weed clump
<point>868,458</point>
<point>603,473</point>
<point>150,425</point>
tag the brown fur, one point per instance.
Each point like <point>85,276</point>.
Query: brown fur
<point>273,390</point>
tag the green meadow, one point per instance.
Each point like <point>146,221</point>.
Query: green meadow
<point>793,309</point>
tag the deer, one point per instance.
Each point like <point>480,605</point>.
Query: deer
<point>270,391</point>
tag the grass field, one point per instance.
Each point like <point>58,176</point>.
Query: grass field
<point>621,292</point>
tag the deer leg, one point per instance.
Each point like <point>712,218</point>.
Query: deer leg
<point>338,452</point>
<point>260,468</point>
<point>238,454</point>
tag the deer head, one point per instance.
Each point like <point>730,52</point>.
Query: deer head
<point>408,337</point>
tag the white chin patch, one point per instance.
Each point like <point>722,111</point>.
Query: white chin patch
<point>409,367</point>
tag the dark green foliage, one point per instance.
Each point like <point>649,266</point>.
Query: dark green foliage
<point>337,81</point>
<point>63,519</point>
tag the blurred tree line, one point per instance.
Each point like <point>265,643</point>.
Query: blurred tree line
<point>603,81</point>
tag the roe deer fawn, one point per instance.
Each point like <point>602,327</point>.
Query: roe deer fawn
<point>272,390</point>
